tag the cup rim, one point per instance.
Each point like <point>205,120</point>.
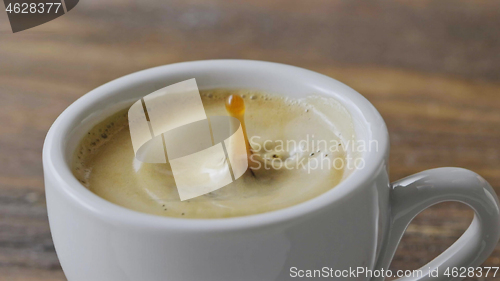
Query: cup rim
<point>65,183</point>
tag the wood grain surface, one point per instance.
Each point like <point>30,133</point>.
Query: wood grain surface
<point>431,67</point>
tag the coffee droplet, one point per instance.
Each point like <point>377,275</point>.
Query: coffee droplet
<point>235,106</point>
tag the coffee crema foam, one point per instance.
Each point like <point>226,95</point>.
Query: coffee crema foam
<point>104,161</point>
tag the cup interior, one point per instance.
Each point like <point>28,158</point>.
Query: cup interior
<point>95,106</point>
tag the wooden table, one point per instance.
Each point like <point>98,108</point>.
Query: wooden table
<point>432,68</point>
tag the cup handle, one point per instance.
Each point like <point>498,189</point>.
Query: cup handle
<point>413,194</point>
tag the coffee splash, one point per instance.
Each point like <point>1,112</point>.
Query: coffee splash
<point>105,163</point>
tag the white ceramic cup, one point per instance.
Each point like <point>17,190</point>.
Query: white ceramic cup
<point>356,224</point>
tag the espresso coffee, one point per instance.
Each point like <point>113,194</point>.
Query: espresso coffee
<point>298,153</point>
